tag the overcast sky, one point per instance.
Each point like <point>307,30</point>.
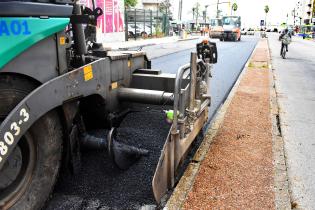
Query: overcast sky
<point>252,11</point>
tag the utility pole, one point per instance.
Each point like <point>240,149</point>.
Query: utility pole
<point>180,9</point>
<point>206,7</point>
<point>218,8</point>
<point>218,2</point>
<point>293,14</point>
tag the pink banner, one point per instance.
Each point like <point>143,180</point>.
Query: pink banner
<point>100,20</point>
<point>118,20</point>
<point>112,19</point>
<point>109,16</point>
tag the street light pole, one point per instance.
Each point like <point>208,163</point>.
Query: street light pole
<point>293,14</point>
<point>225,2</point>
<point>218,8</point>
<point>206,7</point>
<point>180,8</point>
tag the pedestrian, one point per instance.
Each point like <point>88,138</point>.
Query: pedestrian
<point>201,31</point>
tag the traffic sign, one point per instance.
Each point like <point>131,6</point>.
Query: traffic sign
<point>262,22</point>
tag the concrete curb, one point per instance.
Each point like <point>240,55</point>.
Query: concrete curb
<point>186,182</point>
<point>281,183</point>
<point>191,38</point>
<point>171,53</point>
<point>137,46</point>
<point>153,44</point>
<point>177,50</point>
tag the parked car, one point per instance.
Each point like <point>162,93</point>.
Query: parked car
<point>139,30</point>
<point>250,31</point>
<point>146,31</point>
<point>133,30</point>
<point>243,31</point>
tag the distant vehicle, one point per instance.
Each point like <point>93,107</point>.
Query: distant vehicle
<point>289,27</point>
<point>140,30</point>
<point>231,28</point>
<point>133,31</point>
<point>247,31</point>
<point>307,31</point>
<point>243,31</point>
<point>146,31</point>
<point>216,28</point>
<point>272,28</point>
<point>176,27</point>
<point>250,31</point>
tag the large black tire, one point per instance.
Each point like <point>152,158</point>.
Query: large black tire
<point>35,161</point>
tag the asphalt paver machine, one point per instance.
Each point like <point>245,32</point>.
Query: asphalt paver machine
<point>57,82</point>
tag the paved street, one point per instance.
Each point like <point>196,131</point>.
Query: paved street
<point>232,58</point>
<point>110,105</point>
<point>106,186</point>
<point>295,84</point>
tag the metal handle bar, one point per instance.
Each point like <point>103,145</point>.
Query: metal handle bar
<point>178,83</point>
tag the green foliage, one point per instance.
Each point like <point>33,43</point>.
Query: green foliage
<point>164,6</point>
<point>196,11</point>
<point>130,3</point>
<point>266,9</point>
<point>234,7</point>
<point>158,31</point>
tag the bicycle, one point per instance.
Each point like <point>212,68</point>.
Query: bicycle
<point>284,51</point>
<point>285,41</point>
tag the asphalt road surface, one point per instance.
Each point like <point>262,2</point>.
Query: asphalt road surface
<point>100,185</point>
<point>232,56</point>
<point>295,84</point>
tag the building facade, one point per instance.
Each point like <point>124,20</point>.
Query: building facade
<point>110,26</point>
<point>149,4</point>
<point>308,12</point>
<point>155,4</point>
<point>304,12</point>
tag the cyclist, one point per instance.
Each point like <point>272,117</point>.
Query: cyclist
<point>284,35</point>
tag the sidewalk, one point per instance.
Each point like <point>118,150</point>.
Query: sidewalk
<point>145,42</point>
<point>295,85</point>
<point>239,164</point>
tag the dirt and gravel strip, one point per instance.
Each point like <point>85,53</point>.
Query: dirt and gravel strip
<point>238,170</point>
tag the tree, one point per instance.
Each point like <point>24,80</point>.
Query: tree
<point>164,7</point>
<point>234,7</point>
<point>196,12</point>
<point>130,3</point>
<point>266,9</point>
